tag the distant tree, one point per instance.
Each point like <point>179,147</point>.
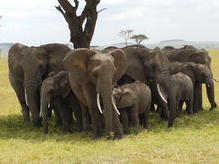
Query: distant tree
<point>139,38</point>
<point>126,35</point>
<point>81,26</point>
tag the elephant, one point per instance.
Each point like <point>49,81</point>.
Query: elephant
<point>191,54</point>
<point>92,75</point>
<point>133,98</point>
<point>56,92</point>
<point>28,67</point>
<point>199,73</point>
<point>152,67</point>
<point>184,92</point>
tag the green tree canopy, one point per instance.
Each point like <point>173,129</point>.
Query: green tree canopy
<point>139,38</point>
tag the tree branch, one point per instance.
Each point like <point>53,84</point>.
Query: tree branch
<point>101,10</point>
<point>66,5</point>
<point>76,4</point>
<point>60,10</point>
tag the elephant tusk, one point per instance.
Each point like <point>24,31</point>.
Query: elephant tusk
<point>161,95</point>
<point>41,108</point>
<point>25,94</point>
<point>114,105</point>
<point>48,106</point>
<point>98,103</point>
<point>215,80</point>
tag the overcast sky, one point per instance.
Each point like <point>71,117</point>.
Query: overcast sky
<point>36,22</point>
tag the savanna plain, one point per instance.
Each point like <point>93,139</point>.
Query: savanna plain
<point>192,139</point>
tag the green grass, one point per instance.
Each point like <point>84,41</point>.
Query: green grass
<point>193,139</point>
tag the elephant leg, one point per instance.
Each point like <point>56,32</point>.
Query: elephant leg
<point>196,97</point>
<point>177,108</point>
<point>58,121</point>
<point>19,90</point>
<point>96,121</point>
<point>210,94</point>
<point>152,108</point>
<point>189,107</point>
<point>145,119</point>
<point>116,125</point>
<point>85,118</point>
<point>50,112</point>
<point>200,97</point>
<point>78,116</point>
<point>124,119</point>
<point>134,115</point>
<point>66,117</point>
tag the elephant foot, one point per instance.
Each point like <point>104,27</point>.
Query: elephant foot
<point>37,122</point>
<point>170,123</point>
<point>66,130</point>
<point>58,124</point>
<point>45,130</point>
<point>26,116</point>
<point>87,129</point>
<point>126,131</point>
<point>26,119</point>
<point>212,107</point>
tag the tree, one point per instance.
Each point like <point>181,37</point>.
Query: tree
<point>81,26</point>
<point>139,38</point>
<point>126,35</point>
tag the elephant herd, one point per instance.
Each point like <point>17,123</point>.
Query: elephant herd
<point>110,90</point>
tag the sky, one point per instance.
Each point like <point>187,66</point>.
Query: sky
<point>36,22</point>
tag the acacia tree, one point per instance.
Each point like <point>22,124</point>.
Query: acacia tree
<point>139,38</point>
<point>126,35</point>
<point>81,26</point>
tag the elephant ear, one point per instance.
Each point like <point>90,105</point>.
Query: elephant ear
<point>78,58</point>
<point>119,63</point>
<point>64,86</point>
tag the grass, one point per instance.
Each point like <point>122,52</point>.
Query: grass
<point>193,139</point>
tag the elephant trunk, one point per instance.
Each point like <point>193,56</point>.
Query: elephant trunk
<point>44,106</point>
<point>210,93</point>
<point>106,93</point>
<point>32,99</point>
<point>111,113</point>
<point>168,84</point>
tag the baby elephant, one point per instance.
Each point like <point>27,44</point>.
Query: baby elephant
<point>56,93</point>
<point>184,92</point>
<point>133,101</point>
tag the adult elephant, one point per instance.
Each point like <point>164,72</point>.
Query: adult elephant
<point>92,75</point>
<point>28,66</point>
<point>191,54</point>
<point>152,66</point>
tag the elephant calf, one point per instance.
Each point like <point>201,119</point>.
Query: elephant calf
<point>56,93</point>
<point>184,92</point>
<point>133,101</point>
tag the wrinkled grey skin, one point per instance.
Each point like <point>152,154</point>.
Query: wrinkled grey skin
<point>28,66</point>
<point>133,99</point>
<point>152,67</point>
<point>184,92</point>
<point>92,72</point>
<point>56,92</point>
<point>199,73</point>
<point>191,54</point>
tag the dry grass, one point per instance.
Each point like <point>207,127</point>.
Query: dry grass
<point>193,139</point>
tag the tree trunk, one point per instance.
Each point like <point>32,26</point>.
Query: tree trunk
<point>80,36</point>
